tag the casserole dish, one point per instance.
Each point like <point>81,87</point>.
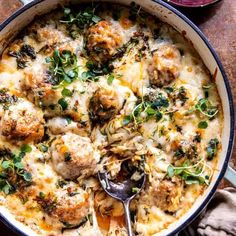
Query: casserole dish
<point>169,15</point>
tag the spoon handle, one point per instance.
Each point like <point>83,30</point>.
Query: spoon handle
<point>127,217</point>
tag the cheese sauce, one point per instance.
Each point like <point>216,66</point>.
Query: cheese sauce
<point>91,87</point>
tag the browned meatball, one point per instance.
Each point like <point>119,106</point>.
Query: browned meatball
<point>74,156</point>
<point>165,66</point>
<point>102,42</point>
<point>23,122</point>
<point>38,90</point>
<point>168,193</point>
<point>104,105</point>
<point>70,205</point>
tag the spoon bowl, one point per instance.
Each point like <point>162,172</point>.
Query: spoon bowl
<point>124,191</point>
<point>121,191</point>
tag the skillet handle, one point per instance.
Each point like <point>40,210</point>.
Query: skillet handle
<point>24,2</point>
<point>230,175</point>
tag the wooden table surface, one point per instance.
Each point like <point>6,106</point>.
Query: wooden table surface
<point>218,22</point>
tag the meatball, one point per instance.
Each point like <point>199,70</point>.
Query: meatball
<point>165,66</point>
<point>104,105</point>
<point>38,90</point>
<point>168,193</point>
<point>74,156</point>
<point>22,121</point>
<point>70,205</point>
<point>102,42</point>
<point>47,34</point>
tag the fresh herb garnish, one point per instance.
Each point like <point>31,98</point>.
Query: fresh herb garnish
<point>202,125</point>
<point>169,89</point>
<point>43,147</point>
<point>191,173</point>
<point>110,79</point>
<point>68,119</point>
<point>63,103</point>
<point>26,52</point>
<point>146,110</point>
<point>127,120</point>
<point>205,107</point>
<point>61,183</point>
<point>26,148</point>
<point>63,67</point>
<point>136,13</point>
<point>212,148</point>
<point>12,172</point>
<point>197,138</point>
<point>81,19</point>
<point>182,95</point>
<point>66,92</point>
<point>96,69</point>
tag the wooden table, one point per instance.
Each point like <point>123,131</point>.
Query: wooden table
<point>219,25</point>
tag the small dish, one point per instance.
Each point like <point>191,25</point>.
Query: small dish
<point>192,3</point>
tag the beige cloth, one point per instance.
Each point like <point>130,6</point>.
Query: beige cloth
<point>219,218</point>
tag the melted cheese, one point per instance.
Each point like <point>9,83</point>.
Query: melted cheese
<point>156,140</point>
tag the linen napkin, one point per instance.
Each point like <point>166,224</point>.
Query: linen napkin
<point>218,219</point>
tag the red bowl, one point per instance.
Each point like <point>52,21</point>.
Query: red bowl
<point>192,3</point>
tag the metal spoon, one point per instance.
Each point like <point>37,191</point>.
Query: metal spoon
<point>123,191</point>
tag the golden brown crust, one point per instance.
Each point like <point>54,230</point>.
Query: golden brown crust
<point>102,41</point>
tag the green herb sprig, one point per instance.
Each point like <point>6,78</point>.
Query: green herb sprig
<point>12,172</point>
<point>191,173</point>
<point>63,67</point>
<point>205,107</point>
<point>82,19</point>
<point>146,110</point>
